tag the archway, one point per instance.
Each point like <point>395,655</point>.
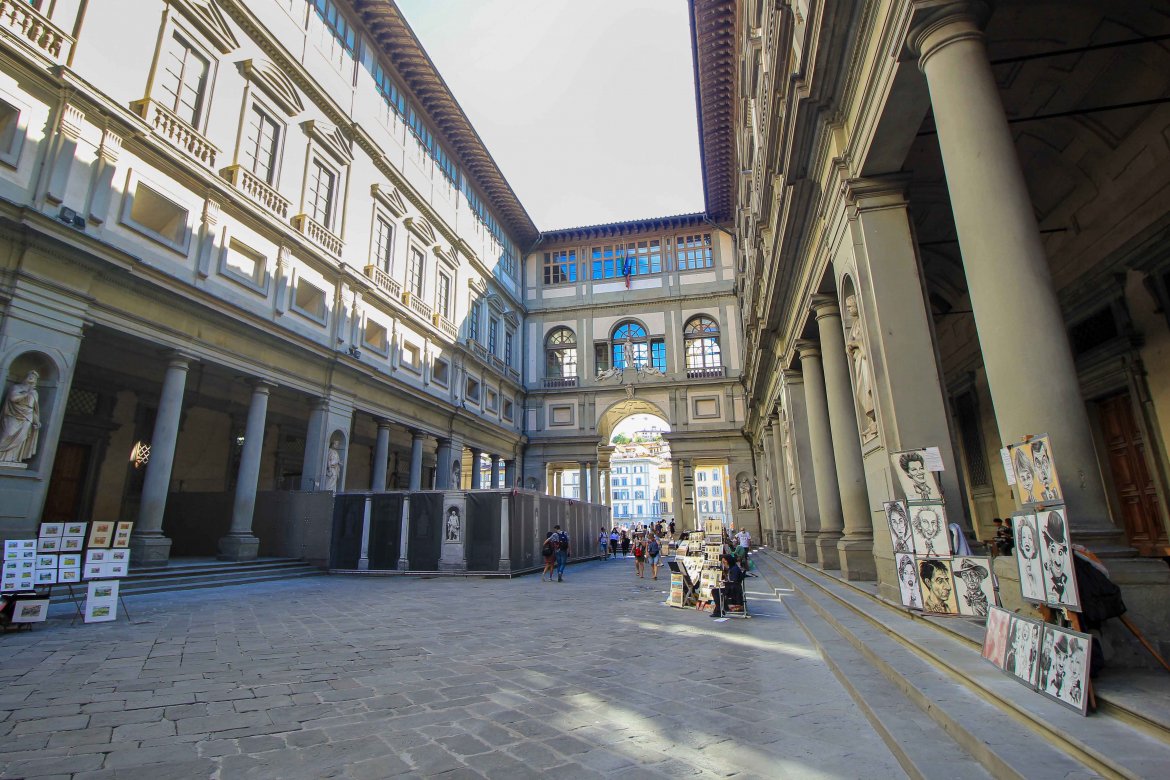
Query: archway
<point>640,484</point>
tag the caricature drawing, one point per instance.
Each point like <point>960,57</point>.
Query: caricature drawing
<point>1042,463</point>
<point>1028,558</point>
<point>899,522</point>
<point>1024,476</point>
<point>973,577</point>
<point>929,531</point>
<point>1059,586</point>
<point>918,483</point>
<point>937,587</point>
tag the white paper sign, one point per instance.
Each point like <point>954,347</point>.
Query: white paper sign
<point>1008,471</point>
<point>933,458</point>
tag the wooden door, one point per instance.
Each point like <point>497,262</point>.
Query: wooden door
<point>1140,507</point>
<point>67,483</point>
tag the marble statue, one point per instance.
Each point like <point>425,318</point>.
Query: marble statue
<point>452,527</point>
<point>859,368</point>
<point>745,493</point>
<point>20,421</point>
<point>333,467</point>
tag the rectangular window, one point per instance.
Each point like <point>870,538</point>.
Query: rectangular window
<point>492,401</point>
<point>644,257</point>
<point>261,143</point>
<point>11,134</point>
<point>411,357</point>
<point>441,372</point>
<point>245,263</point>
<point>560,267</point>
<point>472,389</point>
<point>340,41</point>
<point>383,244</point>
<point>493,334</point>
<point>157,214</point>
<point>601,356</point>
<point>694,252</point>
<point>376,337</point>
<point>320,200</point>
<point>310,300</point>
<point>509,338</point>
<point>443,296</point>
<point>183,80</point>
<point>658,354</point>
<point>388,89</point>
<point>414,272</point>
<point>473,316</point>
<point>607,263</point>
<point>508,409</point>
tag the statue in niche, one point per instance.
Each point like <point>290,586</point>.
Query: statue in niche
<point>745,493</point>
<point>451,527</point>
<point>333,467</point>
<point>859,368</point>
<point>20,421</point>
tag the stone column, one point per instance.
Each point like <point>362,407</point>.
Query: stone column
<point>594,483</point>
<point>509,474</point>
<point>676,487</point>
<point>404,536</point>
<point>312,476</point>
<point>856,546</point>
<point>690,521</point>
<point>148,545</point>
<point>801,476</point>
<point>1007,271</point>
<point>823,463</point>
<point>443,465</point>
<point>240,544</point>
<point>583,480</point>
<point>476,463</point>
<point>497,461</point>
<point>416,459</point>
<point>381,456</point>
<point>787,536</point>
<point>505,533</point>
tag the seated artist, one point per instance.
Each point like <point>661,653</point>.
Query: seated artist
<point>731,589</point>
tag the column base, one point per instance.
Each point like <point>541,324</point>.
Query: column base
<point>505,564</point>
<point>148,551</point>
<point>856,556</point>
<point>827,555</point>
<point>403,564</point>
<point>788,543</point>
<point>239,547</point>
<point>452,566</point>
<point>805,549</point>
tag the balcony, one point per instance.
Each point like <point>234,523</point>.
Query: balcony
<point>318,234</point>
<point>710,372</point>
<point>257,191</point>
<point>499,365</point>
<point>383,280</point>
<point>479,349</point>
<point>554,382</point>
<point>446,327</point>
<point>177,133</point>
<point>27,23</point>
<point>421,308</point>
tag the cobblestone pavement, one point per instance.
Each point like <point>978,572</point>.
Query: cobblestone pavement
<point>379,677</point>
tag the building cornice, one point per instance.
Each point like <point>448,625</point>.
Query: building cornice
<point>715,51</point>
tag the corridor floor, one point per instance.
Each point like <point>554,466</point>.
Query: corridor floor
<point>385,676</point>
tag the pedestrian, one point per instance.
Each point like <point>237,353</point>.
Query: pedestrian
<point>744,539</point>
<point>562,552</point>
<point>549,551</point>
<point>603,543</point>
<point>672,528</point>
<point>653,553</point>
<point>625,543</point>
<point>613,541</point>
<point>639,556</point>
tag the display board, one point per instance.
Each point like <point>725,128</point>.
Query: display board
<point>1049,659</point>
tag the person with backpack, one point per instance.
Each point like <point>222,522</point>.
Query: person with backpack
<point>603,544</point>
<point>639,556</point>
<point>562,551</point>
<point>653,553</point>
<point>549,552</point>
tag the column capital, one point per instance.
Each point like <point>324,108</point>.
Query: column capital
<point>933,25</point>
<point>178,359</point>
<point>867,193</point>
<point>807,348</point>
<point>264,386</point>
<point>418,433</point>
<point>825,306</point>
<point>792,376</point>
<point>382,422</point>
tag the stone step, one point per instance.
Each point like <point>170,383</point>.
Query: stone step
<point>921,745</point>
<point>982,708</point>
<point>204,573</point>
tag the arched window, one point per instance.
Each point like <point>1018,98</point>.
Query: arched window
<point>701,335</point>
<point>629,337</point>
<point>560,354</point>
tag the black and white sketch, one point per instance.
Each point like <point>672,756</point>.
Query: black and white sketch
<point>928,524</point>
<point>898,518</point>
<point>938,589</point>
<point>908,580</point>
<point>451,529</point>
<point>1027,549</point>
<point>1023,649</point>
<point>974,591</point>
<point>918,483</point>
<point>1025,480</point>
<point>1060,585</point>
<point>1064,664</point>
<point>1043,470</point>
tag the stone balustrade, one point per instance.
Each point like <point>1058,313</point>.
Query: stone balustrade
<point>385,282</point>
<point>27,23</point>
<point>318,234</point>
<point>176,132</point>
<point>258,191</point>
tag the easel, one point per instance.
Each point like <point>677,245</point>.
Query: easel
<point>81,613</point>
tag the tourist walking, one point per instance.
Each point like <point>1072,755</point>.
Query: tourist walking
<point>549,551</point>
<point>653,554</point>
<point>562,551</point>
<point>625,543</point>
<point>639,556</point>
<point>672,536</point>
<point>603,544</point>
<point>613,541</point>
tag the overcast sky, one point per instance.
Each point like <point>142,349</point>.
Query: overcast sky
<point>587,106</point>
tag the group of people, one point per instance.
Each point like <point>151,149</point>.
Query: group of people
<point>556,554</point>
<point>1004,540</point>
<point>644,542</point>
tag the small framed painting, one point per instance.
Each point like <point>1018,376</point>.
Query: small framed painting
<point>51,529</point>
<point>70,561</point>
<point>995,640</point>
<point>122,556</point>
<point>75,529</point>
<point>31,611</point>
<point>49,544</point>
<point>46,577</point>
<point>100,534</point>
<point>95,570</point>
<point>65,576</point>
<point>116,569</point>
<point>72,543</point>
<point>46,561</point>
<point>96,556</point>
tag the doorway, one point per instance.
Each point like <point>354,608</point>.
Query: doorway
<point>63,502</point>
<point>1141,508</point>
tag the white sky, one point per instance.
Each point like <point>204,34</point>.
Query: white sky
<point>587,106</point>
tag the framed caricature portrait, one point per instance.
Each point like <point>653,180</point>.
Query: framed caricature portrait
<point>938,586</point>
<point>995,640</point>
<point>974,591</point>
<point>1022,654</point>
<point>928,526</point>
<point>898,520</point>
<point>1056,563</point>
<point>1027,551</point>
<point>917,480</point>
<point>1064,666</point>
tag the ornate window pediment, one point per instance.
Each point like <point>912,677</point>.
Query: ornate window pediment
<point>206,16</point>
<point>421,228</point>
<point>330,138</point>
<point>390,197</point>
<point>266,75</point>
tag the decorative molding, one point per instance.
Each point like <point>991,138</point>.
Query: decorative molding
<point>275,83</point>
<point>71,121</point>
<point>205,15</point>
<point>330,137</point>
<point>421,228</point>
<point>477,284</point>
<point>390,197</point>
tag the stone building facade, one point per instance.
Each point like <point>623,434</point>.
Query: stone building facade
<point>951,222</point>
<point>249,247</point>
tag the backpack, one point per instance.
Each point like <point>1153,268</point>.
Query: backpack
<point>550,545</point>
<point>638,550</point>
<point>654,547</point>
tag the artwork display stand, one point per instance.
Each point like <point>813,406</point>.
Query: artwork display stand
<point>81,613</point>
<point>1050,615</point>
